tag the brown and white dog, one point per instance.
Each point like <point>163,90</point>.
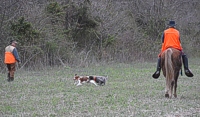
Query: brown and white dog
<point>96,80</point>
<point>79,80</point>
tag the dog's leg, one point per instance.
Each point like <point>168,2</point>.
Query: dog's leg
<point>79,83</point>
<point>93,82</point>
<point>75,82</point>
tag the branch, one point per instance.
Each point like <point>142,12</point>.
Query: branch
<point>28,60</point>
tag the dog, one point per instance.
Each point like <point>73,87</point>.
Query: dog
<point>79,80</point>
<point>96,80</point>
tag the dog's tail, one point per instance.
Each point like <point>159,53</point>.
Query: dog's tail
<point>106,77</point>
<point>105,80</point>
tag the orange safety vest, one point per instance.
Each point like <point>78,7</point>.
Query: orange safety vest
<point>171,39</point>
<point>9,57</point>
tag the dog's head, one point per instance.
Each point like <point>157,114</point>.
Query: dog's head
<point>101,80</point>
<point>76,77</point>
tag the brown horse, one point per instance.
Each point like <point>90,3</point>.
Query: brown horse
<point>171,65</point>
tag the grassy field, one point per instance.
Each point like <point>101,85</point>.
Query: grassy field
<point>130,92</point>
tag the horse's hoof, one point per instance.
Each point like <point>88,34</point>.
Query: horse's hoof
<point>175,95</point>
<point>167,95</point>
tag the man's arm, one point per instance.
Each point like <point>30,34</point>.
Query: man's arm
<point>15,53</point>
<point>162,38</point>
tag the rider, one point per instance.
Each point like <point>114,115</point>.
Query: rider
<point>171,38</point>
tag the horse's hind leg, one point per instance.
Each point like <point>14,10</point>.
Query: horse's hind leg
<point>167,91</point>
<point>171,89</point>
<point>175,86</point>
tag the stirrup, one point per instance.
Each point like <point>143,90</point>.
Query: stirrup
<point>156,74</point>
<point>188,73</point>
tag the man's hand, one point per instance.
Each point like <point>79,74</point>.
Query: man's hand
<point>19,64</point>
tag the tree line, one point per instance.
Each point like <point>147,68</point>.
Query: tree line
<point>83,32</point>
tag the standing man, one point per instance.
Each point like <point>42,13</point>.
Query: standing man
<point>171,39</point>
<point>11,57</point>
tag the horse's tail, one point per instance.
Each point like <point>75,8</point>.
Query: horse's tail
<point>169,67</point>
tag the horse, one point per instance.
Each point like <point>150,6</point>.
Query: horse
<point>171,64</point>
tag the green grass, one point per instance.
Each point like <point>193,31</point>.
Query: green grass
<point>130,91</point>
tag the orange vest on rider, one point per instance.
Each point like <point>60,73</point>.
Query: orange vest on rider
<point>171,39</point>
<point>9,57</point>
